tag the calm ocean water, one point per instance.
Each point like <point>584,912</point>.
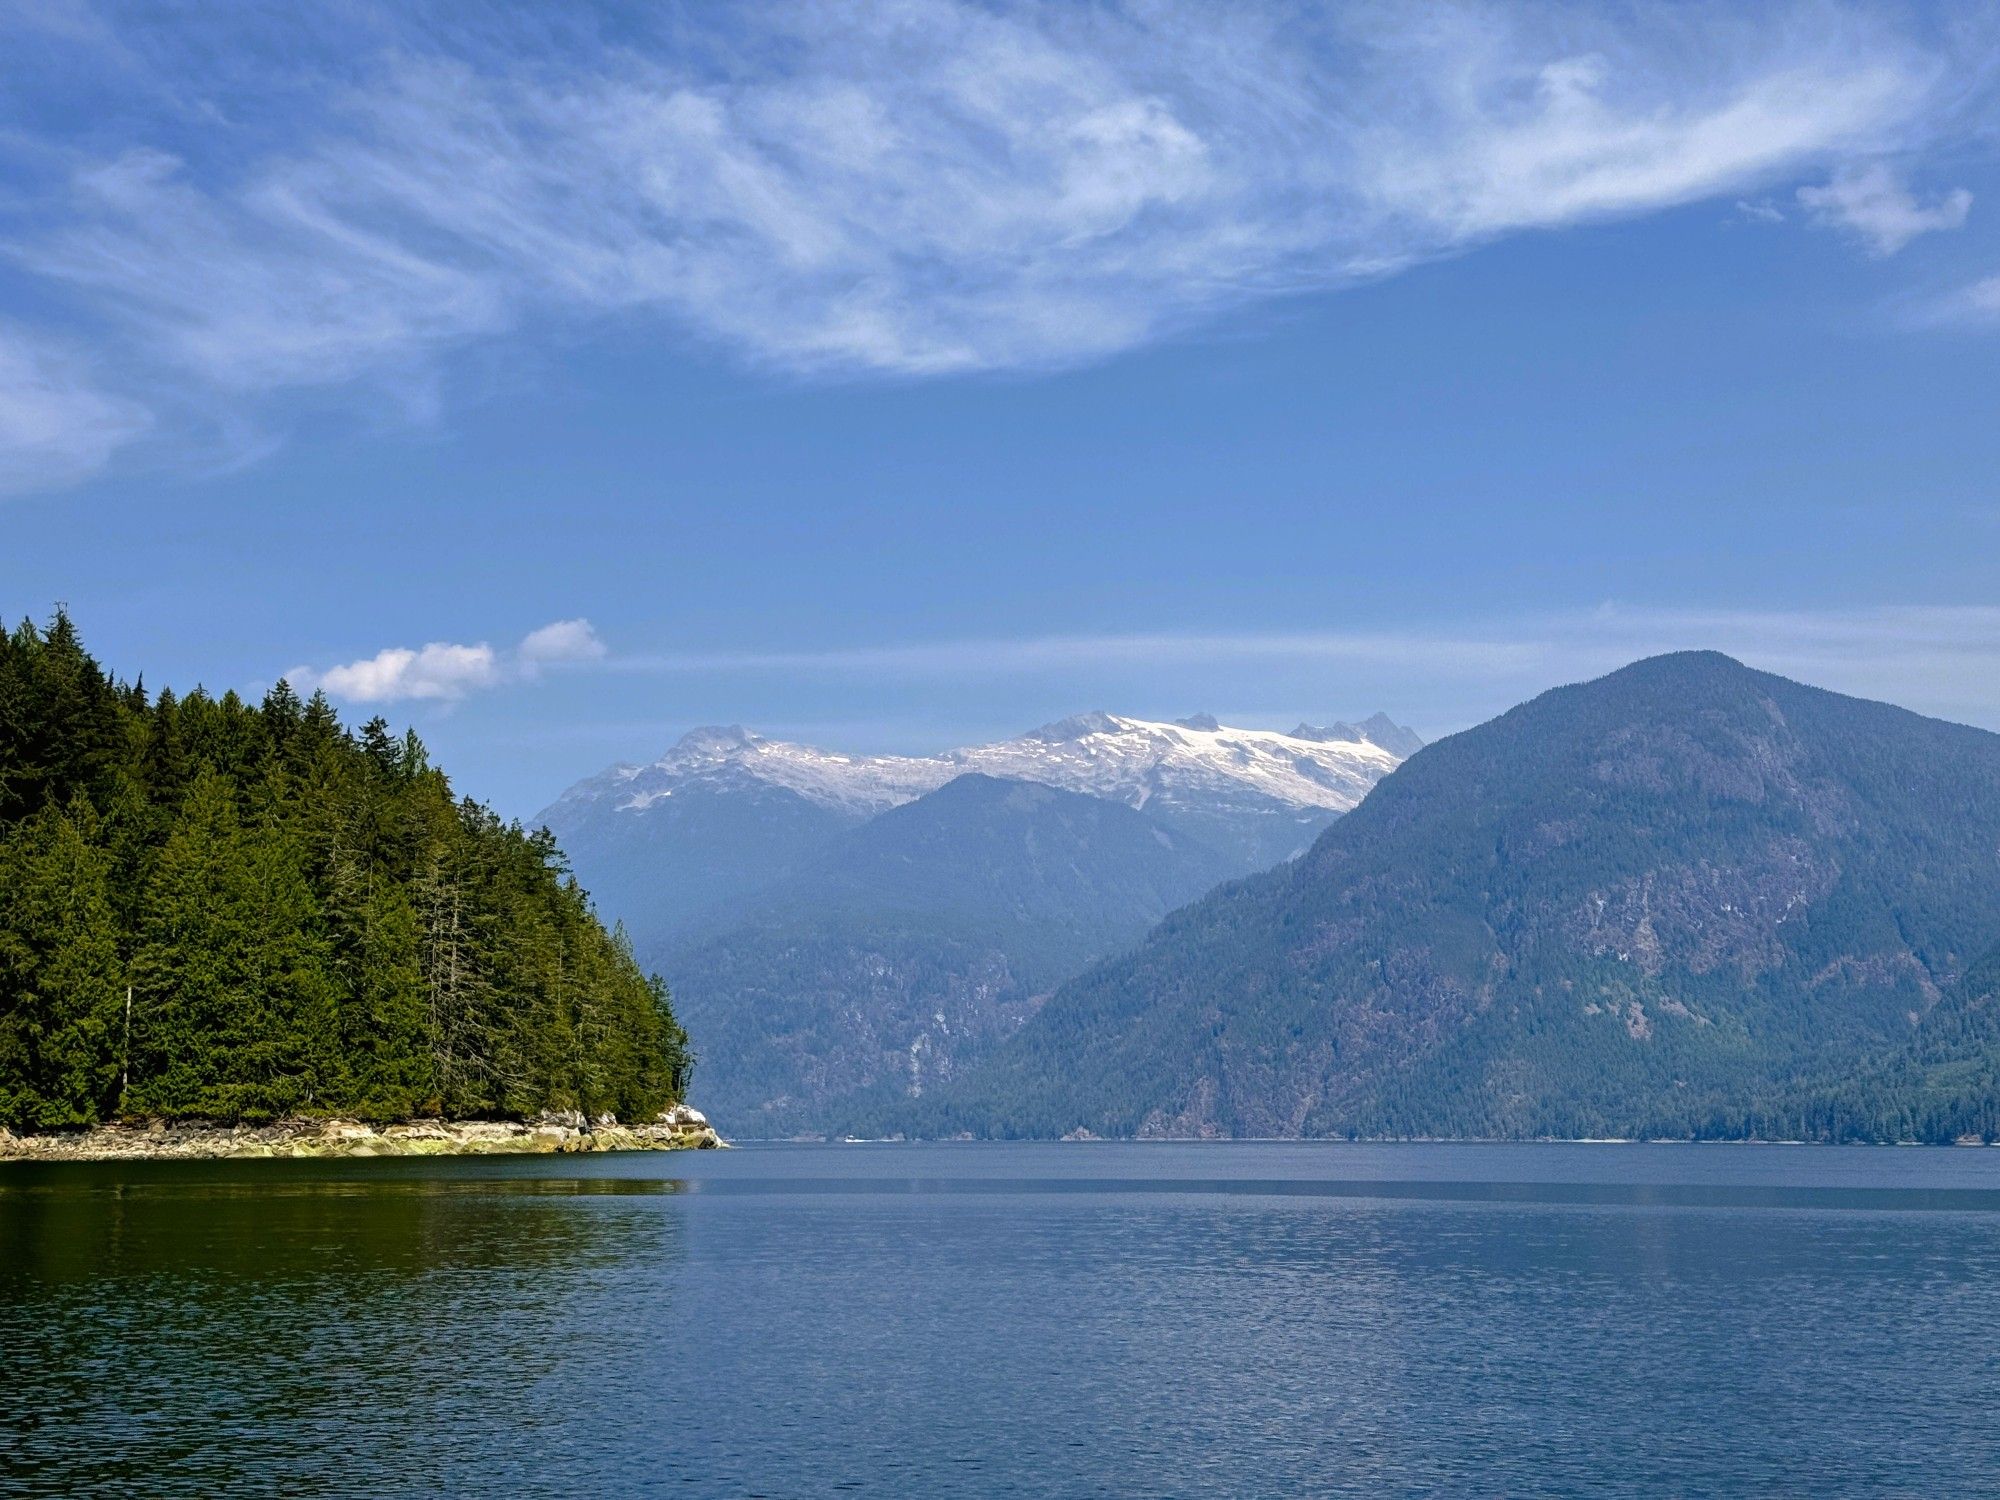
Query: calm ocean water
<point>1036,1320</point>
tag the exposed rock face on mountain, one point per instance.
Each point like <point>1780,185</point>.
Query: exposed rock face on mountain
<point>873,923</point>
<point>1688,898</point>
<point>1378,730</point>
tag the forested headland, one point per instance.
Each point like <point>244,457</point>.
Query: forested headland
<point>214,909</point>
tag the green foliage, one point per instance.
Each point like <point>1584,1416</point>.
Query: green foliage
<point>60,969</point>
<point>214,910</point>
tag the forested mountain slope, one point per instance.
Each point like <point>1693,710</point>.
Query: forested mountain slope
<point>213,909</point>
<point>1943,1086</point>
<point>1685,899</point>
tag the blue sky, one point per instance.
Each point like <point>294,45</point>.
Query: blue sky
<point>916,375</point>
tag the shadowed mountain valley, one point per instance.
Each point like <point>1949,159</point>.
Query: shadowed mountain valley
<point>847,931</point>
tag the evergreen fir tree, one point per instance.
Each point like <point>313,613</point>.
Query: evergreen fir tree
<point>382,1028</point>
<point>62,992</point>
<point>238,1014</point>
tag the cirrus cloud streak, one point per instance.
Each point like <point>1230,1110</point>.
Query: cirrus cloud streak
<point>907,190</point>
<point>1941,660</point>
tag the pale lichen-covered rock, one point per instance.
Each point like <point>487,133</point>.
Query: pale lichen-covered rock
<point>679,1129</point>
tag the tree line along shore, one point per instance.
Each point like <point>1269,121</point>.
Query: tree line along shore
<point>243,913</point>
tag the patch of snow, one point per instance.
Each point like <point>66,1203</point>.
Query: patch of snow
<point>1128,760</point>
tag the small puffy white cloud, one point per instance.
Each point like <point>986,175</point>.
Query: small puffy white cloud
<point>440,670</point>
<point>445,672</point>
<point>1878,208</point>
<point>559,642</point>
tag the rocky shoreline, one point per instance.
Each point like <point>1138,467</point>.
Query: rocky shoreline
<point>679,1129</point>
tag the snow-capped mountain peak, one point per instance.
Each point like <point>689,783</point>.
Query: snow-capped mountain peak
<point>856,783</point>
<point>1135,761</point>
<point>1075,727</point>
<point>725,811</point>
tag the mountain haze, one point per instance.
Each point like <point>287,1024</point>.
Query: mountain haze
<point>913,943</point>
<point>725,810</point>
<point>1687,898</point>
<point>837,923</point>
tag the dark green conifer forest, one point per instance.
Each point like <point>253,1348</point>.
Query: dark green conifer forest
<point>218,910</point>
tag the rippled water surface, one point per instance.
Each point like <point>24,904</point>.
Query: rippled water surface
<point>1009,1320</point>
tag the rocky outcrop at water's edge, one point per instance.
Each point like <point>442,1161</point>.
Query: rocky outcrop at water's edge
<point>679,1129</point>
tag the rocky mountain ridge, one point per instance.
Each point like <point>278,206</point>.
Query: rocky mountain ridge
<point>1102,754</point>
<point>1686,899</point>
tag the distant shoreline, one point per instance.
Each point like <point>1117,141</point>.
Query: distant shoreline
<point>679,1129</point>
<point>1343,1140</point>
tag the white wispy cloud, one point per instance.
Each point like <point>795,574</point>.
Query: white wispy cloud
<point>1875,206</point>
<point>559,643</point>
<point>995,657</point>
<point>1759,211</point>
<point>930,186</point>
<point>57,425</point>
<point>266,286</point>
<point>444,671</point>
<point>1976,305</point>
<point>1940,659</point>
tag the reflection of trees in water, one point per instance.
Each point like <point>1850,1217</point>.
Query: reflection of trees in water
<point>181,1335</point>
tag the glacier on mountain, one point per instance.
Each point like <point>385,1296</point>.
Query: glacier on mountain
<point>1129,760</point>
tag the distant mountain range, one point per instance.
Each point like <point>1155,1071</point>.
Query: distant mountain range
<point>845,931</point>
<point>1687,899</point>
